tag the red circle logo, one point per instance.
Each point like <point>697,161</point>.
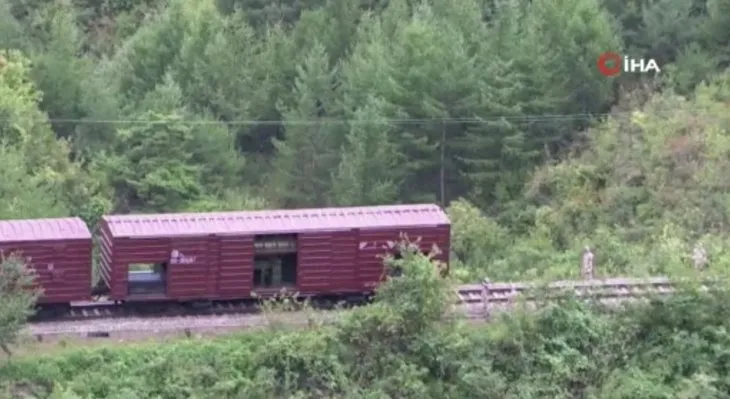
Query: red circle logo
<point>609,64</point>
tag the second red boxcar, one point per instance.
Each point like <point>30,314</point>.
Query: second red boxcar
<point>233,254</point>
<point>59,250</point>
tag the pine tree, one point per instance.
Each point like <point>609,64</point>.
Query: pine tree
<point>425,71</point>
<point>12,32</point>
<point>334,25</point>
<point>307,155</point>
<point>211,145</point>
<point>556,51</point>
<point>59,70</point>
<point>496,153</point>
<point>717,32</point>
<point>531,67</point>
<point>369,172</point>
<point>151,168</point>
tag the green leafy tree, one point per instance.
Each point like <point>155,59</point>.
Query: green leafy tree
<point>369,172</point>
<point>146,56</point>
<point>273,76</point>
<point>682,36</point>
<point>477,242</point>
<point>718,16</point>
<point>213,67</point>
<point>429,55</point>
<point>228,70</point>
<point>525,71</point>
<point>59,392</point>
<point>495,153</point>
<point>19,293</point>
<point>26,132</point>
<point>202,156</point>
<point>568,79</point>
<point>651,176</point>
<point>211,144</point>
<point>334,25</point>
<point>12,32</point>
<point>263,14</point>
<point>59,68</point>
<point>151,167</point>
<point>231,200</point>
<point>24,195</point>
<point>102,102</point>
<point>306,157</point>
<point>383,342</point>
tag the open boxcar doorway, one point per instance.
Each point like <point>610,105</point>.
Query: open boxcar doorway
<point>275,262</point>
<point>147,279</point>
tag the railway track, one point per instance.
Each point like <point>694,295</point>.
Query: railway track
<point>484,295</point>
<point>604,288</point>
<point>476,301</point>
<point>104,309</point>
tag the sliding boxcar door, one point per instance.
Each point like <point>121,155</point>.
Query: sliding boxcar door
<point>314,263</point>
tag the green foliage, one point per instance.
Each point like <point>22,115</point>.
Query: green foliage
<point>478,241</point>
<point>214,67</point>
<point>345,102</point>
<point>407,344</point>
<point>43,179</point>
<point>264,13</point>
<point>23,194</point>
<point>59,68</point>
<point>643,189</point>
<point>19,294</point>
<point>305,159</point>
<point>152,165</point>
<point>211,144</point>
<point>11,30</point>
<point>485,106</point>
<point>370,159</point>
<point>384,349</point>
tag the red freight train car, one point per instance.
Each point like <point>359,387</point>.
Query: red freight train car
<point>59,250</point>
<point>230,255</point>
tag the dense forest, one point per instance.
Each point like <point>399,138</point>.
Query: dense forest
<point>493,108</point>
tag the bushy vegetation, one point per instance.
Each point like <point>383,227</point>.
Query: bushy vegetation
<point>409,345</point>
<point>19,294</point>
<point>495,108</point>
<point>645,188</point>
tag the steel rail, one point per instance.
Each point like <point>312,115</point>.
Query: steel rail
<point>485,293</point>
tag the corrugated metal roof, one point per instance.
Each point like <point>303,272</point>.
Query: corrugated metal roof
<point>274,222</point>
<point>43,230</point>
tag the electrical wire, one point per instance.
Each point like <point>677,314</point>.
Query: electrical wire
<point>319,121</point>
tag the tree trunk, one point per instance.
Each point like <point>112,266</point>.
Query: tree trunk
<point>6,349</point>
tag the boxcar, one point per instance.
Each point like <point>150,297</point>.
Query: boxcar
<point>60,252</point>
<point>231,255</point>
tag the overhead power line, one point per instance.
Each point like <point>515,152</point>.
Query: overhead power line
<point>330,121</point>
<point>335,121</point>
